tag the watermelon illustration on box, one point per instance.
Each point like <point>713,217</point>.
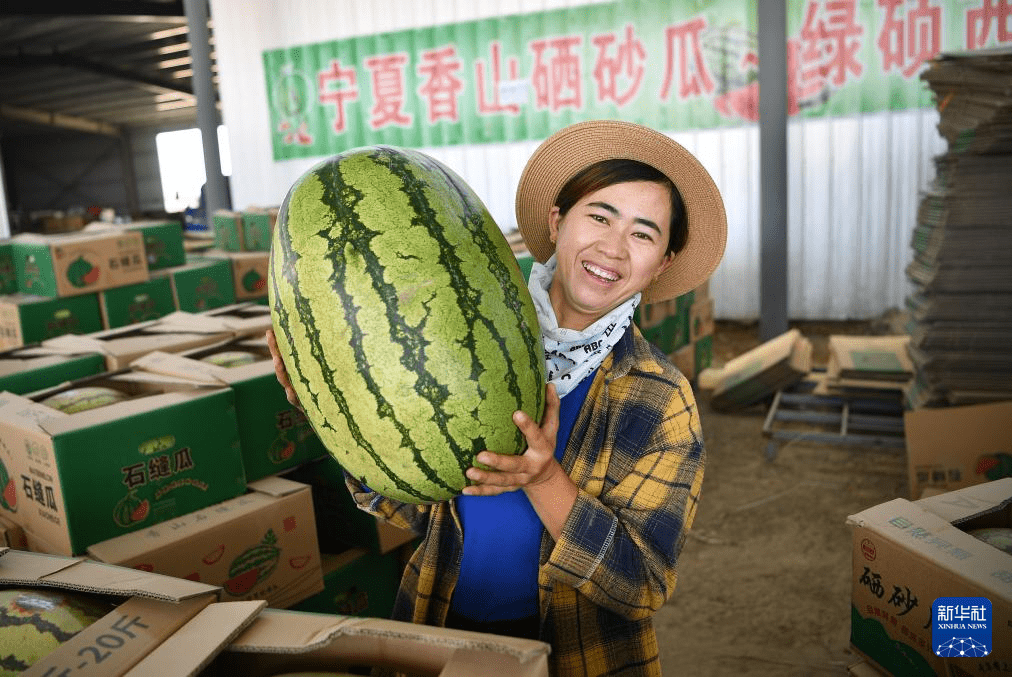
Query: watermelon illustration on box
<point>68,265</point>
<point>423,341</point>
<point>165,449</point>
<point>260,545</point>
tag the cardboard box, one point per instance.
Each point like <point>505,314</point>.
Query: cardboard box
<point>702,291</point>
<point>173,333</point>
<point>258,228</point>
<point>701,319</point>
<point>12,535</point>
<point>883,360</point>
<point>677,327</point>
<point>341,524</point>
<point>35,367</point>
<point>703,352</point>
<point>26,319</point>
<point>68,265</point>
<point>907,555</point>
<point>274,436</point>
<point>156,616</point>
<point>169,449</point>
<point>249,273</point>
<point>650,315</point>
<point>200,284</point>
<point>248,318</point>
<point>261,545</point>
<point>8,276</point>
<point>136,303</point>
<point>953,447</point>
<point>685,359</point>
<point>163,240</point>
<point>60,223</point>
<point>760,372</point>
<point>357,582</point>
<point>228,232</point>
<point>290,641</point>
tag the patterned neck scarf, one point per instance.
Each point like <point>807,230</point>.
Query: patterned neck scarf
<point>571,355</point>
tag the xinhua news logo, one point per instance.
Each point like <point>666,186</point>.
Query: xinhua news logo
<point>961,627</point>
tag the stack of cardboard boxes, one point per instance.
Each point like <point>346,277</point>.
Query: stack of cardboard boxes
<point>109,276</point>
<point>243,239</point>
<point>682,328</point>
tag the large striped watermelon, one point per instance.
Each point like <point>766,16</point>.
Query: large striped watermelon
<point>403,320</point>
<point>35,622</point>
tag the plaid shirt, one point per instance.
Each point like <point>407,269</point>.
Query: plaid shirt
<point>636,453</point>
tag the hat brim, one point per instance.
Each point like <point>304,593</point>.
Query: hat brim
<point>568,151</point>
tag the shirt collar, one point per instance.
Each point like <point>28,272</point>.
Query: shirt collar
<point>631,352</point>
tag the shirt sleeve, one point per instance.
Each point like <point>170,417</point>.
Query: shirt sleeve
<point>620,548</point>
<point>399,514</point>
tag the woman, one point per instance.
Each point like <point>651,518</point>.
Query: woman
<point>575,541</point>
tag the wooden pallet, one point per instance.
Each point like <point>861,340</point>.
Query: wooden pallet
<point>849,420</point>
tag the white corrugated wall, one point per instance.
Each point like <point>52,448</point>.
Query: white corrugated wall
<point>853,184</point>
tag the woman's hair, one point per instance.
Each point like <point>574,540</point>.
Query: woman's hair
<point>609,172</point>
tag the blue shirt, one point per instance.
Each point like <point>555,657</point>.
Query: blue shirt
<point>502,535</point>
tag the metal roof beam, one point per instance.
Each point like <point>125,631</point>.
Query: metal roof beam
<point>59,120</point>
<point>81,63</point>
<point>94,8</point>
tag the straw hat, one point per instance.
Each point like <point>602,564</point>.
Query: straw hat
<point>578,146</point>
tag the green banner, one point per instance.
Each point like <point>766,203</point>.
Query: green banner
<point>672,65</point>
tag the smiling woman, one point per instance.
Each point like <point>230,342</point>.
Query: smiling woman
<point>598,506</point>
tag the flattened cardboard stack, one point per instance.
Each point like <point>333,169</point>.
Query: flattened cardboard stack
<point>961,309</point>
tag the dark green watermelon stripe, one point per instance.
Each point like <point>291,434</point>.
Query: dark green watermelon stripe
<point>43,626</point>
<point>289,257</point>
<point>474,219</point>
<point>357,237</point>
<point>12,664</point>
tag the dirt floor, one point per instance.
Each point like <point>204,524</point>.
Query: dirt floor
<point>765,576</point>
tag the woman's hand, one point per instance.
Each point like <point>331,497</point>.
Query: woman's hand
<point>280,371</point>
<point>533,467</point>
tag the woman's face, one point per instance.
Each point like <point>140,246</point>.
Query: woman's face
<point>610,245</point>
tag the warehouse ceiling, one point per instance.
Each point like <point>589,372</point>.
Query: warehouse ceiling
<point>95,66</point>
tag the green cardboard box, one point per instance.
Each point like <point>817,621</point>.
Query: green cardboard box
<point>274,436</point>
<point>163,240</point>
<point>249,272</point>
<point>661,336</point>
<point>200,284</point>
<point>357,582</point>
<point>175,332</point>
<point>80,263</point>
<point>8,276</point>
<point>35,367</point>
<point>228,231</point>
<point>26,319</point>
<point>258,227</point>
<point>340,523</point>
<point>677,324</point>
<point>170,448</point>
<point>137,302</point>
<point>704,352</point>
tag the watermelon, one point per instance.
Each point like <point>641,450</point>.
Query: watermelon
<point>231,358</point>
<point>999,537</point>
<point>34,622</point>
<point>403,321</point>
<point>82,399</point>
